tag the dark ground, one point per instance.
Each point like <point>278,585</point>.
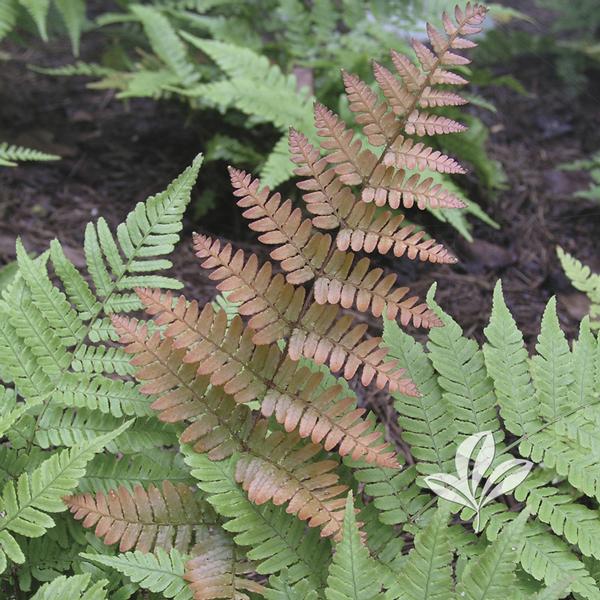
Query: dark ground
<point>116,154</point>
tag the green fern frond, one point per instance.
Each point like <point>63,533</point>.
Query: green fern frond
<point>24,505</point>
<point>546,557</point>
<point>76,587</point>
<point>8,17</point>
<point>69,427</point>
<point>282,589</point>
<point>427,574</point>
<point>467,389</point>
<point>152,467</point>
<point>491,574</point>
<point>73,16</point>
<point>385,547</point>
<point>166,43</point>
<point>425,422</point>
<point>96,392</point>
<point>351,568</point>
<point>160,572</point>
<point>507,363</point>
<point>583,280</point>
<point>10,156</point>
<point>38,10</point>
<point>556,507</point>
<point>10,411</point>
<point>395,494</point>
<point>552,367</point>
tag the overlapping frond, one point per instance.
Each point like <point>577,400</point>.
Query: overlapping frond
<point>217,424</point>
<point>425,420</point>
<point>160,572</point>
<point>218,570</point>
<point>467,388</point>
<point>320,333</point>
<point>76,587</point>
<point>273,466</point>
<point>228,358</point>
<point>305,255</point>
<point>277,540</point>
<point>552,367</point>
<point>144,520</point>
<point>427,574</point>
<point>351,570</point>
<point>280,470</point>
<point>556,507</point>
<point>506,362</point>
<point>26,502</point>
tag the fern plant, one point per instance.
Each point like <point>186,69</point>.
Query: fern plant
<point>592,166</point>
<point>582,279</point>
<point>212,56</point>
<point>66,395</point>
<point>71,12</point>
<point>263,416</point>
<point>11,156</point>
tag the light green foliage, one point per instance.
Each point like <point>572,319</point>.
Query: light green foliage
<point>72,15</point>
<point>489,575</point>
<point>161,572</point>
<point>350,573</point>
<point>466,387</point>
<point>67,403</point>
<point>592,166</point>
<point>11,156</point>
<point>583,280</point>
<point>427,574</point>
<point>24,505</point>
<point>507,363</point>
<point>77,587</point>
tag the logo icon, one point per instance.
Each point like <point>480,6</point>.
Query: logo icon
<point>462,488</point>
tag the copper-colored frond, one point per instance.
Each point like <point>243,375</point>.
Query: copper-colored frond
<point>267,298</point>
<point>431,98</point>
<point>300,250</point>
<point>216,424</point>
<point>220,350</point>
<point>406,154</point>
<point>368,289</point>
<point>378,124</point>
<point>399,98</point>
<point>422,124</point>
<point>311,490</point>
<point>396,187</point>
<point>301,402</point>
<point>145,519</point>
<point>247,375</point>
<point>411,76</point>
<point>370,231</point>
<point>327,197</point>
<point>352,162</point>
<point>217,571</point>
<point>327,336</point>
